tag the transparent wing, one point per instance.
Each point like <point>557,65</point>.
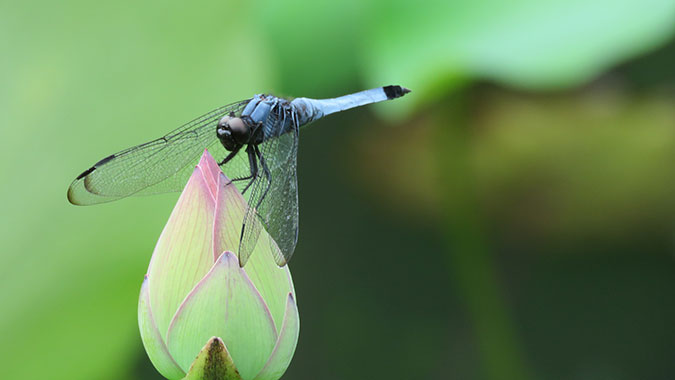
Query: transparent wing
<point>158,166</point>
<point>273,203</point>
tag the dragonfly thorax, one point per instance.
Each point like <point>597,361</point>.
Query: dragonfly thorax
<point>233,132</point>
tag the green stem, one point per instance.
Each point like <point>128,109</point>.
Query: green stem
<point>469,257</point>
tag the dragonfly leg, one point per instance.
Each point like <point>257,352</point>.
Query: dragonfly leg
<point>253,164</point>
<point>267,173</point>
<point>230,156</point>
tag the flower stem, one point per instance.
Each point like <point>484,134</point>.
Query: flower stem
<point>469,256</point>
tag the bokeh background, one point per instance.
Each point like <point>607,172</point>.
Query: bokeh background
<point>511,218</point>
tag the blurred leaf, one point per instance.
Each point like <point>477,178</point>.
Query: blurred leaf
<point>435,46</point>
<point>316,44</point>
<point>526,43</point>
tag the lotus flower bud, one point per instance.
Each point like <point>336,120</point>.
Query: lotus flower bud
<point>201,316</point>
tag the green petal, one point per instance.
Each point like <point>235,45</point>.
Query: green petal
<point>183,253</point>
<point>285,347</point>
<point>224,304</point>
<point>213,363</point>
<point>272,282</point>
<point>152,339</point>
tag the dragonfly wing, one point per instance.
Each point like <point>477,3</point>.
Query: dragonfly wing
<point>158,166</point>
<point>273,203</point>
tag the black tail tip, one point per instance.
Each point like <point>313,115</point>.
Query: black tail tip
<point>394,92</point>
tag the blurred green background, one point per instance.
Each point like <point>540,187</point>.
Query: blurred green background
<point>512,218</point>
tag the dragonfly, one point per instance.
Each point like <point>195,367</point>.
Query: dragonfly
<point>257,139</point>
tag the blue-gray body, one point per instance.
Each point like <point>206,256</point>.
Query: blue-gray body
<point>278,116</point>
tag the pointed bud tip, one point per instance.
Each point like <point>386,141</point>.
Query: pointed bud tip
<point>228,258</point>
<point>216,344</point>
<point>213,363</point>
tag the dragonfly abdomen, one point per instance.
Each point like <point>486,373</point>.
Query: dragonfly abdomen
<point>281,116</point>
<point>309,110</point>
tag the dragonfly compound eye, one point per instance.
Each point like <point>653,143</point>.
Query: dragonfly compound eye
<point>240,131</point>
<point>232,132</point>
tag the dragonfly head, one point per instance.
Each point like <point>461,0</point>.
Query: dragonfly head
<point>233,132</point>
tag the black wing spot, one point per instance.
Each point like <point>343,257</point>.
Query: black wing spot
<point>394,92</point>
<point>103,161</point>
<point>96,165</point>
<point>85,173</point>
